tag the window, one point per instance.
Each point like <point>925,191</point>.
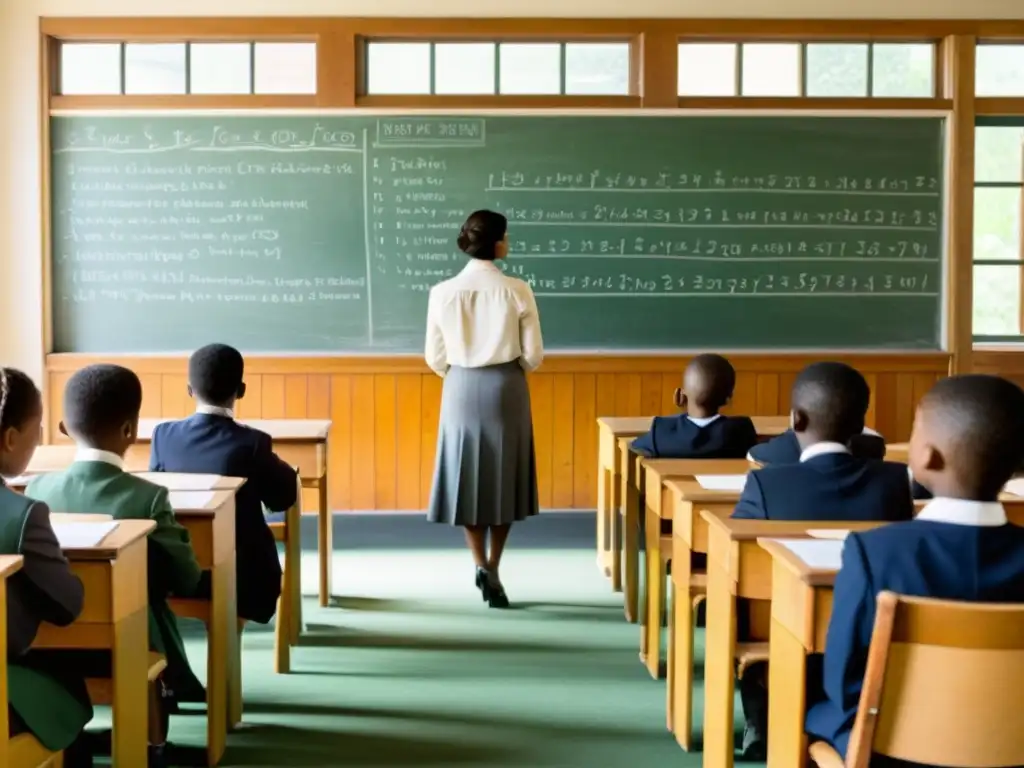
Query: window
<point>999,70</point>
<point>998,246</point>
<point>814,69</point>
<point>187,68</point>
<point>487,68</point>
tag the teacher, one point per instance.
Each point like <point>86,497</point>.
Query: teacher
<point>483,335</point>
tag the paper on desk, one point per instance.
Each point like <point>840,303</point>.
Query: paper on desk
<point>722,482</point>
<point>836,534</point>
<point>181,481</point>
<point>81,535</point>
<point>190,499</point>
<point>820,554</point>
<point>1015,486</point>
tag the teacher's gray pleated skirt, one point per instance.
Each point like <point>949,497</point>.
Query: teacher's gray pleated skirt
<point>486,473</point>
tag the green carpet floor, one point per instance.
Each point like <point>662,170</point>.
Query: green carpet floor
<point>410,668</point>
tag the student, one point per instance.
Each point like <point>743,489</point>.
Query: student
<point>830,401</point>
<point>47,698</point>
<point>785,448</point>
<point>967,441</point>
<point>211,441</point>
<point>701,432</point>
<point>101,414</point>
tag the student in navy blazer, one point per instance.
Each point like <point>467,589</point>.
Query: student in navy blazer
<point>702,432</point>
<point>830,402</point>
<point>967,442</point>
<point>211,441</point>
<point>785,448</point>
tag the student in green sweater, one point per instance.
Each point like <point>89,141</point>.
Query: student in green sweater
<point>101,414</point>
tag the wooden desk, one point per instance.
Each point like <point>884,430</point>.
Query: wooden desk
<point>301,443</point>
<point>658,516</point>
<point>689,534</point>
<point>738,567</point>
<point>632,483</point>
<point>115,617</point>
<point>897,452</point>
<point>610,429</point>
<point>210,520</point>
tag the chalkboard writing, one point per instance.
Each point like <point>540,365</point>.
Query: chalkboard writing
<point>636,233</point>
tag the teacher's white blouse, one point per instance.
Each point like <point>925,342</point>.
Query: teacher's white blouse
<point>482,317</point>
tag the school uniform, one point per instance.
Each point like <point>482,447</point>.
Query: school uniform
<point>96,482</point>
<point>51,703</point>
<point>211,441</point>
<point>687,437</point>
<point>827,484</point>
<point>785,448</point>
<point>954,550</point>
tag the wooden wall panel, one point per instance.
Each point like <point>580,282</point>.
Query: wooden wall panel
<point>385,410</point>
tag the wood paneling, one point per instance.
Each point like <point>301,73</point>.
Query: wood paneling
<point>385,410</point>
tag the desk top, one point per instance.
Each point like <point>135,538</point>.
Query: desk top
<point>784,556</point>
<point>182,481</point>
<point>280,430</point>
<point>691,467</point>
<point>127,532</point>
<point>752,530</point>
<point>690,490</point>
<point>199,502</point>
<point>10,564</point>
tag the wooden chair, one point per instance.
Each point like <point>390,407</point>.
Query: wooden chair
<point>288,624</point>
<point>23,750</point>
<point>942,686</point>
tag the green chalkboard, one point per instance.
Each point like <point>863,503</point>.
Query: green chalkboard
<point>325,233</point>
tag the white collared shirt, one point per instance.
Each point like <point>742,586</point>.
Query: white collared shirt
<point>482,317</point>
<point>95,454</point>
<point>964,512</point>
<point>213,410</point>
<point>820,449</point>
<point>705,421</point>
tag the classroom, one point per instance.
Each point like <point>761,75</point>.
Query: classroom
<point>290,180</point>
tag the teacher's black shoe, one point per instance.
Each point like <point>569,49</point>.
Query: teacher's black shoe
<point>483,583</point>
<point>497,597</point>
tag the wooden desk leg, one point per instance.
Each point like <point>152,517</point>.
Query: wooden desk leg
<point>719,676</point>
<point>631,549</point>
<point>325,540</point>
<point>604,514</point>
<point>130,662</point>
<point>220,660</point>
<point>235,650</point>
<point>653,596</point>
<point>787,702</point>
<point>680,684</point>
<point>615,530</point>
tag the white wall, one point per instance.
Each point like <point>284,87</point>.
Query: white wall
<point>20,243</point>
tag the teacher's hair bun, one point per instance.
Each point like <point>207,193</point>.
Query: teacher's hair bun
<point>469,239</point>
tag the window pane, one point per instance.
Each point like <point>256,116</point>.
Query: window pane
<point>90,68</point>
<point>771,69</point>
<point>154,68</point>
<point>837,69</point>
<point>463,67</point>
<point>996,300</point>
<point>997,153</point>
<point>903,70</point>
<point>597,68</point>
<point>285,68</point>
<point>997,223</point>
<point>220,68</point>
<point>398,68</point>
<point>531,68</point>
<point>707,69</point>
<point>999,70</point>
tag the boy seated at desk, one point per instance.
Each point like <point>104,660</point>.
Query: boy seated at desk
<point>701,432</point>
<point>967,442</point>
<point>101,414</point>
<point>212,442</point>
<point>47,695</point>
<point>830,402</point>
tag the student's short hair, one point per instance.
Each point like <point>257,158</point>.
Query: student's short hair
<point>100,398</point>
<point>835,397</point>
<point>19,398</point>
<point>215,373</point>
<point>715,370</point>
<point>981,420</point>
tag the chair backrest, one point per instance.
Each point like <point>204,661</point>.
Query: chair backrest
<point>943,684</point>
